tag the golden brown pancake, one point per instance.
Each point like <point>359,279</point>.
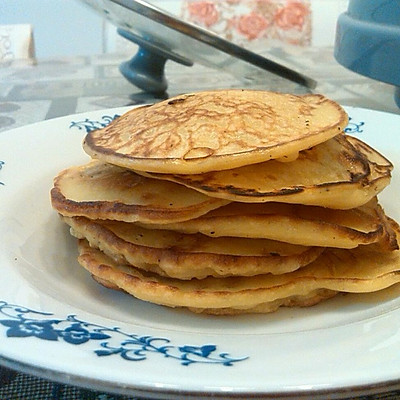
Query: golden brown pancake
<point>103,191</point>
<point>231,201</point>
<point>305,300</point>
<point>183,256</point>
<point>216,130</point>
<point>308,300</point>
<point>359,270</point>
<point>294,223</point>
<point>334,174</point>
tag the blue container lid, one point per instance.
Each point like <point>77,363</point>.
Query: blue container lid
<point>368,39</point>
<point>385,12</point>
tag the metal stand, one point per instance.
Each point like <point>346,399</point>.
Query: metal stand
<point>146,69</point>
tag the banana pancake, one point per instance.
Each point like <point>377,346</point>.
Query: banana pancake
<point>335,174</point>
<point>183,256</point>
<point>294,223</point>
<point>103,191</point>
<point>231,201</point>
<point>308,300</point>
<point>359,270</point>
<point>216,130</point>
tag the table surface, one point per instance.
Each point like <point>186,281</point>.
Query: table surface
<point>33,91</point>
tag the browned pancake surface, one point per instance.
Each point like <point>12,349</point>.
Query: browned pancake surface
<point>360,270</point>
<point>335,174</point>
<point>103,191</point>
<point>216,130</point>
<point>183,256</point>
<point>294,223</point>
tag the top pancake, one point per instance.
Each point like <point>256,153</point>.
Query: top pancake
<point>216,130</point>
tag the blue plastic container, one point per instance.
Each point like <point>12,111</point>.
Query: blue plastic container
<point>368,40</point>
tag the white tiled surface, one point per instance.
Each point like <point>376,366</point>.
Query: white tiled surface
<point>60,27</point>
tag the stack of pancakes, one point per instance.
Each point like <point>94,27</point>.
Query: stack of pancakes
<point>231,201</point>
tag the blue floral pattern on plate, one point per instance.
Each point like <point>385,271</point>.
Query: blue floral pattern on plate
<point>23,322</point>
<point>1,166</point>
<point>91,125</point>
<point>354,127</point>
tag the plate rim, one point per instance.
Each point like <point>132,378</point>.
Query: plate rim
<point>350,392</point>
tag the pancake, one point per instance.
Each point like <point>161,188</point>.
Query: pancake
<point>334,174</point>
<point>374,156</point>
<point>231,201</point>
<point>103,191</point>
<point>216,130</point>
<point>294,223</point>
<point>308,300</point>
<point>183,256</point>
<point>359,270</point>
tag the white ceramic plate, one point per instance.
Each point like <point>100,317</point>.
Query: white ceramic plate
<point>57,323</point>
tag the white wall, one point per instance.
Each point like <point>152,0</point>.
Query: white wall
<point>69,27</point>
<point>60,27</point>
<point>325,14</point>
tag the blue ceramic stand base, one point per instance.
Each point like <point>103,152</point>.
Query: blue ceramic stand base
<point>146,69</point>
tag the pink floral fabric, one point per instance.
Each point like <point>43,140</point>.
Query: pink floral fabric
<point>253,21</point>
